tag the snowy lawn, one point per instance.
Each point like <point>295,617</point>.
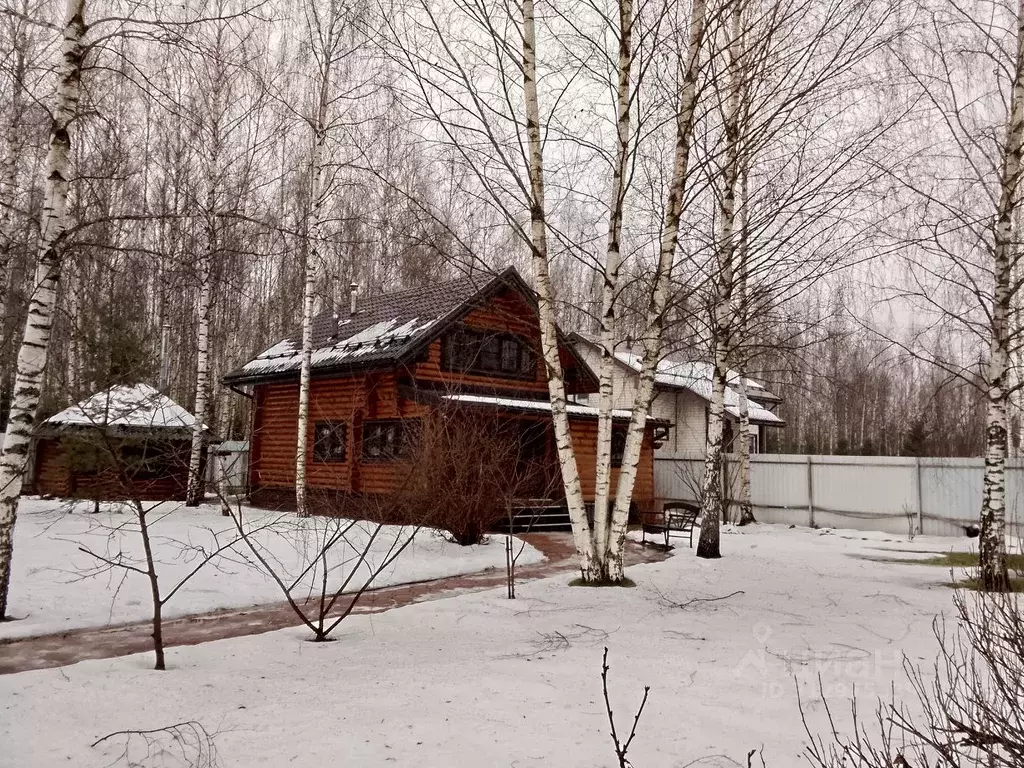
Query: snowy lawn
<point>479,680</point>
<point>55,586</point>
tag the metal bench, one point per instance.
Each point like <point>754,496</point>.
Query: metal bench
<point>674,517</point>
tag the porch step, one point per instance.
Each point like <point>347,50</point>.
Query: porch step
<point>529,519</point>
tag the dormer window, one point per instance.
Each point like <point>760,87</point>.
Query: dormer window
<point>488,353</point>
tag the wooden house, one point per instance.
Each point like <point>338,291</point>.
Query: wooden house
<point>127,442</point>
<point>378,370</point>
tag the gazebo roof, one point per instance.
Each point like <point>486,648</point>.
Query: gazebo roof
<point>125,407</point>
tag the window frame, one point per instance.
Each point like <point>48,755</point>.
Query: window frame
<point>402,441</point>
<point>464,350</point>
<point>321,456</point>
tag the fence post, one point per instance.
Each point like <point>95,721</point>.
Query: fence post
<point>920,498</point>
<point>810,492</point>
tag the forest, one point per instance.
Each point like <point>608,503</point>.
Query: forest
<point>193,148</point>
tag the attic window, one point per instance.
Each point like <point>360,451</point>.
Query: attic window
<point>488,353</point>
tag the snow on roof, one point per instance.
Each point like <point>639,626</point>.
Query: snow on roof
<point>696,376</point>
<point>540,406</point>
<point>133,406</point>
<point>384,328</point>
<point>286,355</point>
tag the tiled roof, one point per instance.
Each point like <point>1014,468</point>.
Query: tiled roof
<point>383,329</point>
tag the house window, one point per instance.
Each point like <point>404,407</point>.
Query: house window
<point>386,440</point>
<point>504,354</point>
<point>618,447</point>
<point>329,441</point>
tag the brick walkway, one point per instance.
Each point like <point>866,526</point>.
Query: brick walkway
<point>46,651</point>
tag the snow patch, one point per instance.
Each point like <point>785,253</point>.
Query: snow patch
<point>55,586</point>
<point>287,356</point>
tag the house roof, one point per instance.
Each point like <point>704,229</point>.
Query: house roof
<point>385,329</point>
<point>131,407</point>
<point>695,377</point>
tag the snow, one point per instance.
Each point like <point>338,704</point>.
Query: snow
<point>511,403</point>
<point>137,406</point>
<point>286,355</point>
<point>480,680</point>
<point>54,586</point>
<point>696,377</point>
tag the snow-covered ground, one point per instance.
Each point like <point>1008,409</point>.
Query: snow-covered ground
<point>479,680</point>
<point>55,586</point>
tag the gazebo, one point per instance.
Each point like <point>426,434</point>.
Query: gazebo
<point>127,442</point>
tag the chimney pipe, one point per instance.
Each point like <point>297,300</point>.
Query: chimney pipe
<point>335,309</point>
<point>352,289</point>
<point>164,382</point>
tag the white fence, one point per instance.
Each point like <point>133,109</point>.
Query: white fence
<point>939,497</point>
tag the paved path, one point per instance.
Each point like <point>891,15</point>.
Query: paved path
<point>57,650</point>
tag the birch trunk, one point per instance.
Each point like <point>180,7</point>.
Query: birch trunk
<point>313,255</point>
<point>711,516</point>
<point>305,373</point>
<point>659,294</point>
<point>34,347</point>
<point>194,494</point>
<point>590,566</point>
<point>746,514</point>
<point>708,545</point>
<point>992,546</point>
<point>8,183</point>
<point>613,262</point>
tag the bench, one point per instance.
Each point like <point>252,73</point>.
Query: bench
<point>674,517</point>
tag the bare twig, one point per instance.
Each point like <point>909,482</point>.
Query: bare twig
<point>621,748</point>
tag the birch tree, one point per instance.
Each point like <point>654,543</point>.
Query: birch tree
<point>510,142</point>
<point>746,511</point>
<point>796,167</point>
<point>212,134</point>
<point>1006,248</point>
<point>34,347</point>
<point>725,249</point>
<point>17,30</point>
<point>959,231</point>
<point>325,33</point>
<point>658,301</point>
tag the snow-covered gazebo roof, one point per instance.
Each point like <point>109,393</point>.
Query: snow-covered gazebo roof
<point>124,408</point>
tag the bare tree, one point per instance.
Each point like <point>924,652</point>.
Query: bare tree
<point>340,559</point>
<point>621,745</point>
<point>79,41</point>
<point>187,744</point>
<point>964,63</point>
<point>790,183</point>
<point>969,700</point>
<point>513,147</point>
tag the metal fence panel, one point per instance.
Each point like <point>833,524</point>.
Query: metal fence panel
<point>938,497</point>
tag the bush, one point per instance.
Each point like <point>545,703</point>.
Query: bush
<point>465,471</point>
<point>970,699</point>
